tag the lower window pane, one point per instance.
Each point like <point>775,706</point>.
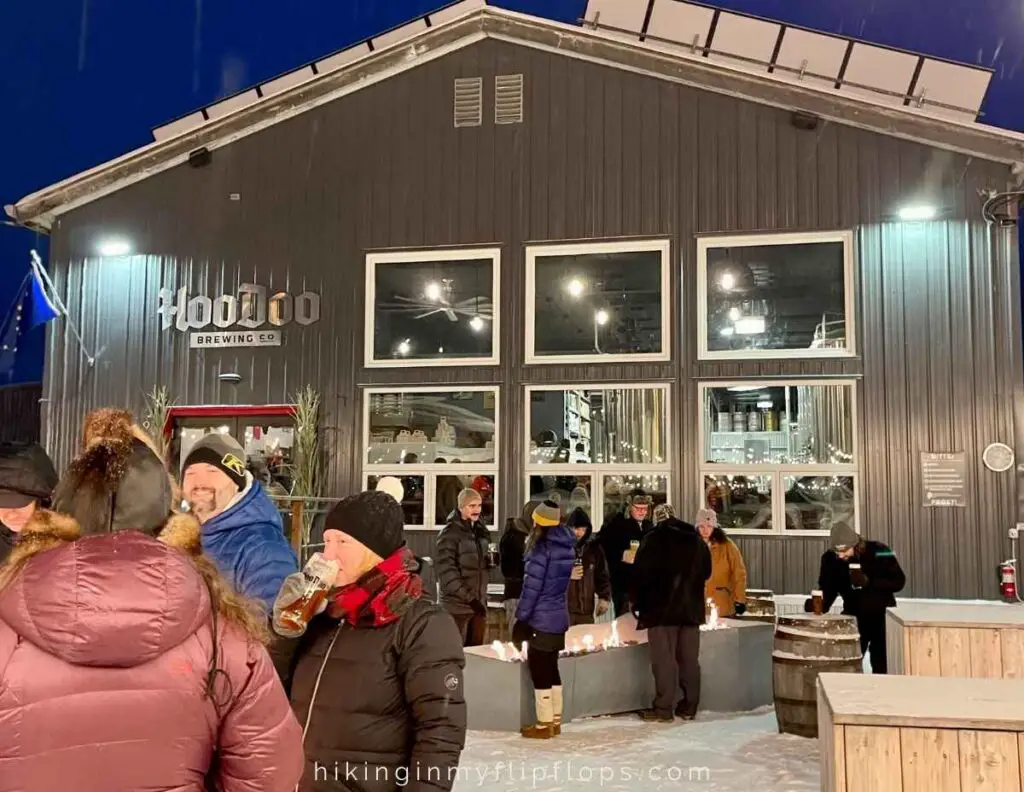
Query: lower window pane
<point>617,490</point>
<point>447,496</point>
<point>815,503</point>
<point>741,502</point>
<point>412,502</point>
<point>570,492</point>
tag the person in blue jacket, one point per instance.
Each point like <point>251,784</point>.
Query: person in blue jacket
<point>542,616</point>
<point>241,528</point>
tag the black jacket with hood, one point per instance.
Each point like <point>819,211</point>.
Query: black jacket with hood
<point>512,548</point>
<point>670,570</point>
<point>884,576</point>
<point>596,581</point>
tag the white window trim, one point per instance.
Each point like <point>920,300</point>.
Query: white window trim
<point>419,257</point>
<point>431,471</point>
<point>660,467</point>
<point>778,472</point>
<point>533,252</point>
<point>704,244</point>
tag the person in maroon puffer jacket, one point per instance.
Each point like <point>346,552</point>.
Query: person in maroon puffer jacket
<point>126,661</point>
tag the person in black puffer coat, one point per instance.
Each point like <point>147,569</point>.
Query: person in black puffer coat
<point>376,678</point>
<point>462,568</point>
<point>27,481</point>
<point>511,549</point>
<point>590,573</point>
<point>616,536</point>
<point>670,570</point>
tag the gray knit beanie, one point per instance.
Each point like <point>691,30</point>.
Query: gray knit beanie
<point>843,536</point>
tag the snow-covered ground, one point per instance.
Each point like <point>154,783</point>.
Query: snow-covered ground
<point>716,753</point>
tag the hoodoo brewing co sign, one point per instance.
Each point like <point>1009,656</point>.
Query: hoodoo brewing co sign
<point>236,321</point>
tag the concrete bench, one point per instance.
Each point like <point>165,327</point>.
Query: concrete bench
<point>950,639</point>
<point>920,734</point>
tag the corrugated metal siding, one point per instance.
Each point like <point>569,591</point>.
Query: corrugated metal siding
<point>19,411</point>
<point>602,153</point>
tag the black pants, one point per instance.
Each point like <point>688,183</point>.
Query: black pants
<point>473,628</point>
<point>872,640</point>
<point>620,600</point>
<point>543,669</point>
<point>675,663</point>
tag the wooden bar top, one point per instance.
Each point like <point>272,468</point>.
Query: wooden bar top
<point>924,702</point>
<point>958,614</point>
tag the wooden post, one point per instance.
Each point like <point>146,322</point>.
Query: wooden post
<point>296,528</point>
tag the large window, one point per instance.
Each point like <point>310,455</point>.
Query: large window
<point>432,308</point>
<point>776,296</point>
<point>598,302</point>
<point>589,447</point>
<point>780,457</point>
<point>437,442</point>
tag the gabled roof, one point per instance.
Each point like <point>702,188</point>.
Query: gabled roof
<point>469,21</point>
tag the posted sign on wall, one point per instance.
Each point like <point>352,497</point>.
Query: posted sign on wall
<point>944,479</point>
<point>248,319</point>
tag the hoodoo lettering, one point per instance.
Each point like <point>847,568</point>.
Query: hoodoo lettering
<point>251,309</point>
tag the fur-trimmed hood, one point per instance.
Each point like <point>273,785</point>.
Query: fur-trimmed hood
<point>114,600</point>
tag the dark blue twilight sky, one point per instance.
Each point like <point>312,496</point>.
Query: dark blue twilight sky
<point>82,81</point>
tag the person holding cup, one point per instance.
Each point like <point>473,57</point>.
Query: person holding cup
<point>589,580</point>
<point>867,575</point>
<point>620,539</point>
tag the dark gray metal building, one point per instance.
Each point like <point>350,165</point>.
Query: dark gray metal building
<point>533,257</point>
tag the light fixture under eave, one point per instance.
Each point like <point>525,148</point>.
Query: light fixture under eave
<point>476,324</point>
<point>750,325</point>
<point>911,213</point>
<point>114,247</point>
<point>601,317</point>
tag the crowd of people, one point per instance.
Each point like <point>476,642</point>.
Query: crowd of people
<point>145,636</point>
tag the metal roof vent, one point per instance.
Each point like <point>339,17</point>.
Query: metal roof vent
<point>469,101</point>
<point>508,99</point>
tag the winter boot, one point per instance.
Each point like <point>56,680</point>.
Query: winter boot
<point>556,704</point>
<point>543,729</point>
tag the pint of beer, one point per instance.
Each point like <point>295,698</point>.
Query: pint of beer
<point>817,603</point>
<point>319,576</point>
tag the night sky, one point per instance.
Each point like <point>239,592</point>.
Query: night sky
<point>83,81</point>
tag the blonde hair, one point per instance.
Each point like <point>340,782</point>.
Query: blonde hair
<point>468,496</point>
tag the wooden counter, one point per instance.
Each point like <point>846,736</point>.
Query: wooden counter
<point>952,639</point>
<point>920,734</point>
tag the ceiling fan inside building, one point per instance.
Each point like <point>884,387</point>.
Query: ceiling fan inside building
<point>439,297</point>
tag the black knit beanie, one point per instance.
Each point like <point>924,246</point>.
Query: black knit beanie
<point>221,451</point>
<point>374,518</point>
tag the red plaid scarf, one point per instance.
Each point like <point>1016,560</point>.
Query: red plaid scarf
<point>381,595</point>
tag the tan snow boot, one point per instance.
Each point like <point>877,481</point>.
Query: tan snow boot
<point>542,729</point>
<point>556,707</point>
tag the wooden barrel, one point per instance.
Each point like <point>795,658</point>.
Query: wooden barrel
<point>806,646</point>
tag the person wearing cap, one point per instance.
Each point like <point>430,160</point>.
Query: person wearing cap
<point>242,529</point>
<point>867,590</point>
<point>727,586</point>
<point>376,677</point>
<point>617,536</point>
<point>542,616</point>
<point>670,571</point>
<point>589,582</point>
<point>463,570</point>
<point>27,479</point>
<point>126,661</point>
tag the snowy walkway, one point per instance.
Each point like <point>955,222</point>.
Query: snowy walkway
<point>715,753</point>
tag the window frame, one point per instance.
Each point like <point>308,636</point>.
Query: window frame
<point>779,471</point>
<point>662,245</point>
<point>598,470</point>
<point>413,256</point>
<point>706,243</point>
<point>430,472</point>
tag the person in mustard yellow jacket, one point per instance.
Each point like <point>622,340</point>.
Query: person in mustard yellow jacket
<point>727,586</point>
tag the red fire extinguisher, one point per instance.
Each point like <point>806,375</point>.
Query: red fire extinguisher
<point>1008,580</point>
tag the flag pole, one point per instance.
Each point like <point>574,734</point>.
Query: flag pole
<point>40,270</point>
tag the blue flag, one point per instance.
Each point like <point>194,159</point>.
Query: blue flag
<point>40,307</point>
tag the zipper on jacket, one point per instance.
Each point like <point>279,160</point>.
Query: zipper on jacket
<point>316,689</point>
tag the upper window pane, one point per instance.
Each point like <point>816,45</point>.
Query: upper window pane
<point>777,299</point>
<point>615,426</point>
<point>432,311</point>
<point>445,427</point>
<point>779,424</point>
<point>598,303</point>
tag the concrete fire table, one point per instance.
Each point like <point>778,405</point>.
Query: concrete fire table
<point>607,670</point>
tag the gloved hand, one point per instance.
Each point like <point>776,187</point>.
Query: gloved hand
<point>740,608</point>
<point>478,607</point>
<point>602,607</point>
<point>808,605</point>
<point>858,578</point>
<point>521,631</point>
<point>292,589</point>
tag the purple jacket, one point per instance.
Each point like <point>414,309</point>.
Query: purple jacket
<point>542,604</point>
